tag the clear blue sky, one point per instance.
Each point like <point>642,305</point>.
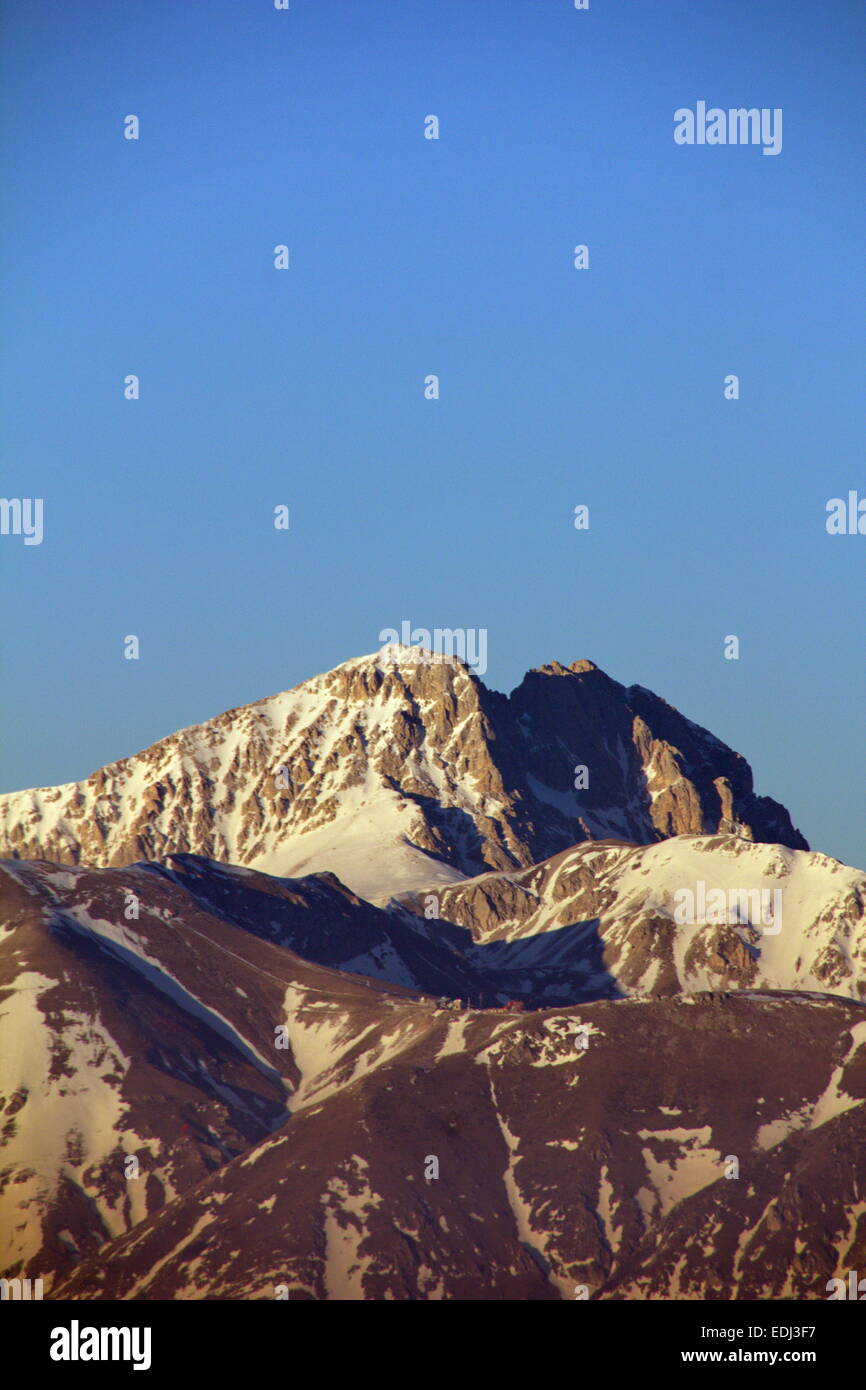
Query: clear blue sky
<point>454,257</point>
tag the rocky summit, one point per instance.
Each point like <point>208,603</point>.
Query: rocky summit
<point>396,774</point>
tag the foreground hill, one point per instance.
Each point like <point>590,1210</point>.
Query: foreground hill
<point>152,1039</point>
<point>304,1130</point>
<point>679,1154</point>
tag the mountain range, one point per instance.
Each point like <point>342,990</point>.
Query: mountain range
<point>395,774</point>
<point>354,994</point>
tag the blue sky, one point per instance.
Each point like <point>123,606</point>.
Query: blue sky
<point>408,257</point>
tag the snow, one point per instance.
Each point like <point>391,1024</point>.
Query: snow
<point>455,1038</point>
<point>369,852</point>
<point>814,889</point>
<point>84,1106</point>
<point>834,1101</point>
<point>820,946</point>
<point>127,946</point>
<point>696,1165</point>
<point>345,1219</point>
<point>329,1049</point>
<point>612,1234</point>
<point>776,1131</point>
<point>566,803</point>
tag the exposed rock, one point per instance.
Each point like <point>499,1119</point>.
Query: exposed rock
<point>399,775</point>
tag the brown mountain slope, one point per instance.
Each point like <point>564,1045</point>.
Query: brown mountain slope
<point>556,1165</point>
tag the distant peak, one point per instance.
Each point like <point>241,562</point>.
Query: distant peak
<point>556,668</point>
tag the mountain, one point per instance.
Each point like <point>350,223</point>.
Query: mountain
<point>492,1158</point>
<point>212,1024</point>
<point>395,774</point>
<point>254,1040</point>
<point>154,1037</point>
<point>606,919</point>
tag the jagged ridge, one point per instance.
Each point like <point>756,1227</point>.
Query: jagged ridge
<point>396,774</point>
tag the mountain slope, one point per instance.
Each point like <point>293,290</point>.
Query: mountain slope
<point>606,918</point>
<point>395,774</point>
<point>509,1163</point>
<point>153,1039</point>
<point>299,1127</point>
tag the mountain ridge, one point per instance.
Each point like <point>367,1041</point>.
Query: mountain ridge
<point>398,772</point>
<point>211,1081</point>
